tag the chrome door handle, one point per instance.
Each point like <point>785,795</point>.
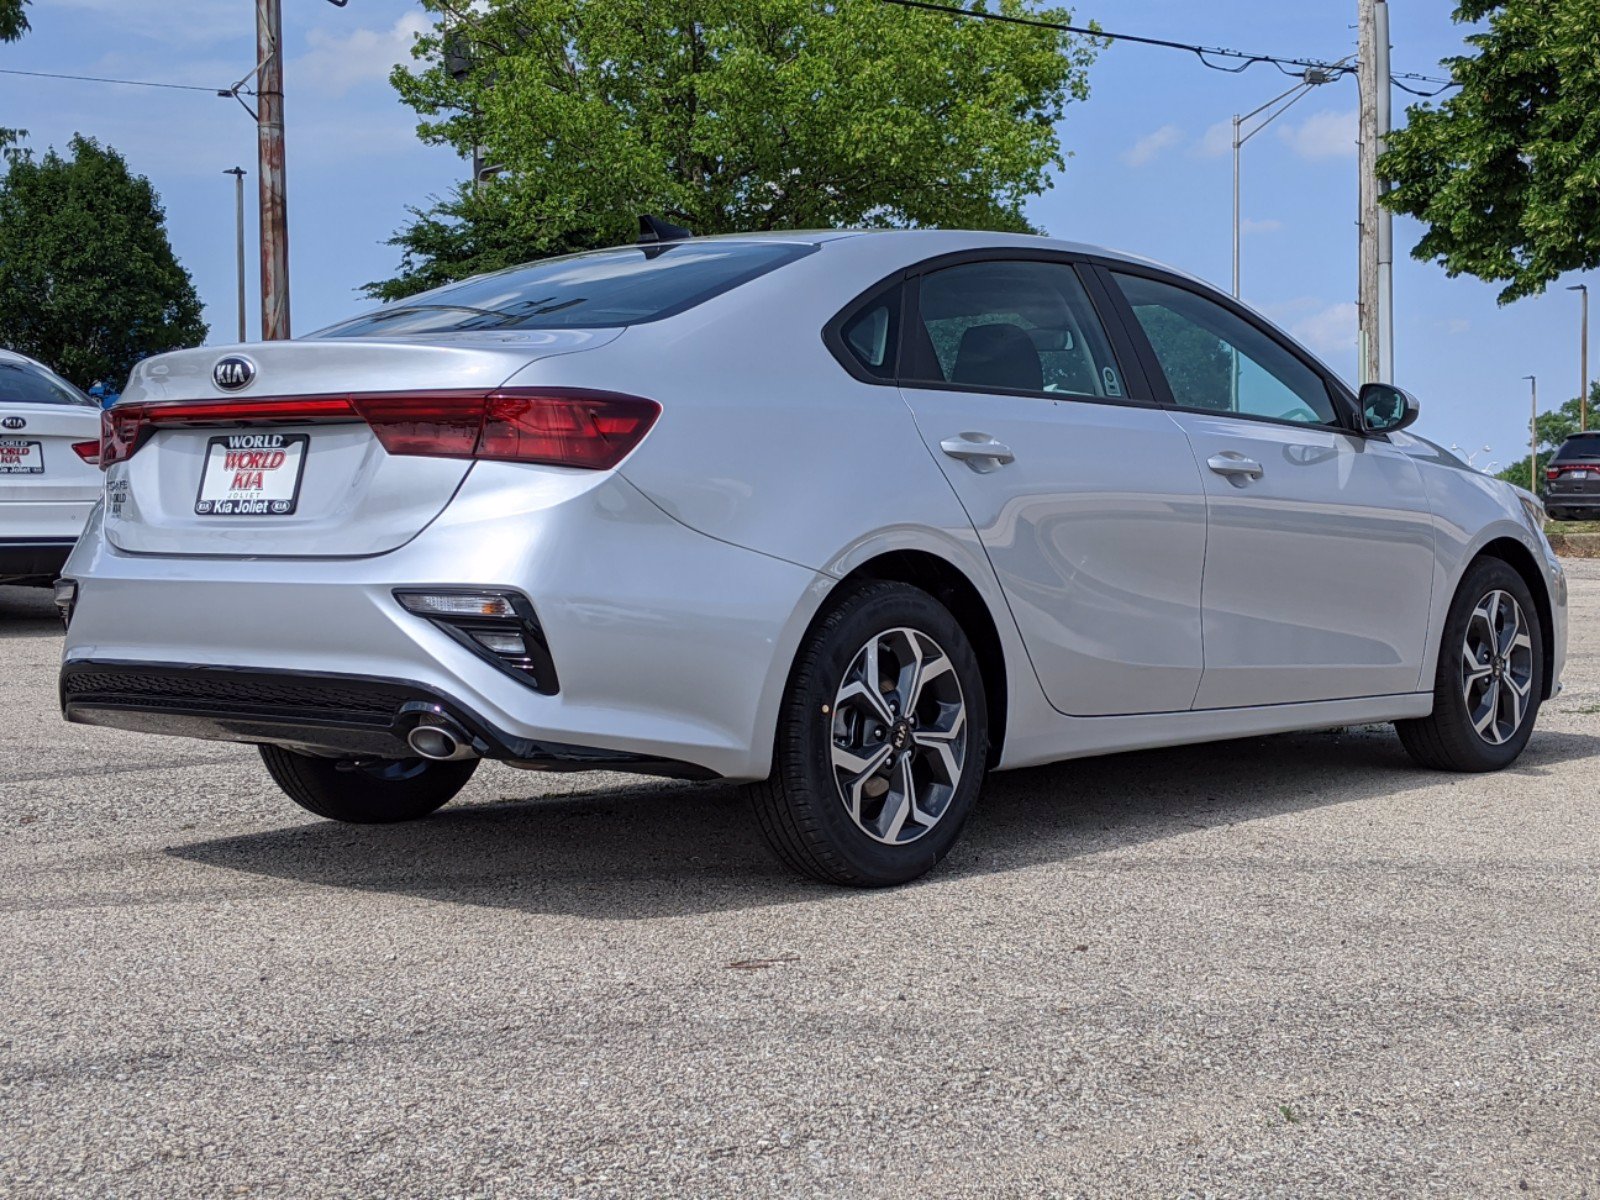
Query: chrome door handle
<point>978,450</point>
<point>1235,466</point>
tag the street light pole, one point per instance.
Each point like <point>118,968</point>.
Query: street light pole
<point>1533,433</point>
<point>1312,77</point>
<point>238,174</point>
<point>1583,358</point>
<point>270,174</point>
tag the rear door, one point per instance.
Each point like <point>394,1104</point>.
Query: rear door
<point>237,486</point>
<point>1085,494</point>
<point>1319,561</point>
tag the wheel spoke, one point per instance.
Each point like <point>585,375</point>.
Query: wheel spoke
<point>860,762</point>
<point>1491,708</point>
<point>858,690</point>
<point>928,669</point>
<point>902,794</point>
<point>1512,629</point>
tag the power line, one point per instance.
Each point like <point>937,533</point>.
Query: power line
<point>1205,54</point>
<point>150,83</point>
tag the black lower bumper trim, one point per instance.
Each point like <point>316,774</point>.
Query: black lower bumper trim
<point>343,715</point>
<point>33,558</point>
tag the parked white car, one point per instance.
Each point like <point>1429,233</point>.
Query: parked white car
<point>856,516</point>
<point>49,477</point>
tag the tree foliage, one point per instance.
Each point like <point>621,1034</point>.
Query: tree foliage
<point>13,24</point>
<point>728,116</point>
<point>88,280</point>
<point>1505,172</point>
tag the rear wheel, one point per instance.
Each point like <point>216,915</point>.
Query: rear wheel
<point>1490,676</point>
<point>881,744</point>
<point>377,792</point>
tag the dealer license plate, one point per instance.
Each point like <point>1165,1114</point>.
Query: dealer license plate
<point>252,475</point>
<point>19,457</point>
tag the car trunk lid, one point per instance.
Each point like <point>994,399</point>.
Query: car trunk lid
<point>307,477</point>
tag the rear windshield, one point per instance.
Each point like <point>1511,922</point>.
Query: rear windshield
<point>1580,445</point>
<point>600,290</point>
<point>23,383</point>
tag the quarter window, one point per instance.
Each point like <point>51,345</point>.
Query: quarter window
<point>872,335</point>
<point>1013,326</point>
<point>1216,361</point>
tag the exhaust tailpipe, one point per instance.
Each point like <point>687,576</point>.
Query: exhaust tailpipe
<point>441,742</point>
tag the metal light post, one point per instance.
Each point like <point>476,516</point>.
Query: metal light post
<point>238,174</point>
<point>1312,77</point>
<point>1583,358</point>
<point>1533,433</point>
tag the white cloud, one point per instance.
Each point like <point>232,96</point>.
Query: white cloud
<point>1267,225</point>
<point>1152,145</point>
<point>1214,142</point>
<point>1327,134</point>
<point>338,62</point>
<point>1330,329</point>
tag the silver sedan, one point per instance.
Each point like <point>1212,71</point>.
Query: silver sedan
<point>855,516</point>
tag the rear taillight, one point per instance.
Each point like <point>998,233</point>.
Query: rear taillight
<point>566,427</point>
<point>88,451</point>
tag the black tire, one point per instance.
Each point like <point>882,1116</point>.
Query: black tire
<point>368,793</point>
<point>801,807</point>
<point>1558,514</point>
<point>1446,739</point>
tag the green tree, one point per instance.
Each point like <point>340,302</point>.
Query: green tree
<point>13,24</point>
<point>1505,172</point>
<point>88,280</point>
<point>1551,428</point>
<point>728,116</point>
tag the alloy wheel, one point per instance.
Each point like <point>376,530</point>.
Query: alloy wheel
<point>1497,667</point>
<point>899,736</point>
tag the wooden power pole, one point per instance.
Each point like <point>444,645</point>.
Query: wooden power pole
<point>1376,288</point>
<point>270,173</point>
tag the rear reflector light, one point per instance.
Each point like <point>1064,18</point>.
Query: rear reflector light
<point>497,626</point>
<point>88,451</point>
<point>566,427</point>
<point>458,604</point>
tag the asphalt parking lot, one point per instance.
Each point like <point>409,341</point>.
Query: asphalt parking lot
<point>1290,966</point>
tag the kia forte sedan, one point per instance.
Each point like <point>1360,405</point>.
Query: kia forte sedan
<point>855,517</point>
<point>49,445</point>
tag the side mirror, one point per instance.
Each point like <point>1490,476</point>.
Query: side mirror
<point>1386,408</point>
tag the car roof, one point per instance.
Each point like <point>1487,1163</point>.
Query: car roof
<point>11,356</point>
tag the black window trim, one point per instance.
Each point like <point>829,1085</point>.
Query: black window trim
<point>1344,404</point>
<point>1137,390</point>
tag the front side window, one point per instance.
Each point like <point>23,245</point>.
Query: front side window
<point>1216,361</point>
<point>24,383</point>
<point>1013,326</point>
<point>603,289</point>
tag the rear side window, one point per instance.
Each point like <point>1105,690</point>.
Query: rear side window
<point>23,383</point>
<point>1013,326</point>
<point>600,290</point>
<point>870,336</point>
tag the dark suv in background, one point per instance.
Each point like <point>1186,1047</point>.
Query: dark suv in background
<point>1572,479</point>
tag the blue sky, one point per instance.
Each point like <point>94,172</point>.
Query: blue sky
<point>1150,171</point>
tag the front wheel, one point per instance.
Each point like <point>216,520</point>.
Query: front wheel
<point>882,741</point>
<point>378,792</point>
<point>1490,677</point>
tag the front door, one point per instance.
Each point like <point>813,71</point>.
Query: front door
<point>1088,500</point>
<point>1319,561</point>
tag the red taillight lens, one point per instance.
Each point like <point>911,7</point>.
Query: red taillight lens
<point>1552,473</point>
<point>88,451</point>
<point>568,427</point>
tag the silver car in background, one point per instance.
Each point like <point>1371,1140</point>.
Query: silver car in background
<point>49,448</point>
<point>856,517</point>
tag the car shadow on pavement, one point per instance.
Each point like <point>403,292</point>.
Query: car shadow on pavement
<point>28,612</point>
<point>669,849</point>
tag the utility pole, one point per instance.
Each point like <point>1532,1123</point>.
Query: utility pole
<point>1376,292</point>
<point>270,171</point>
<point>238,174</point>
<point>1583,358</point>
<point>1533,433</point>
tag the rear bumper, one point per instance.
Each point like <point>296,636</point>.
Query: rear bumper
<point>33,558</point>
<point>672,647</point>
<point>344,715</point>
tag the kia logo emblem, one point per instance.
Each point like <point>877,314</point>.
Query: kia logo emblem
<point>14,423</point>
<point>233,373</point>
